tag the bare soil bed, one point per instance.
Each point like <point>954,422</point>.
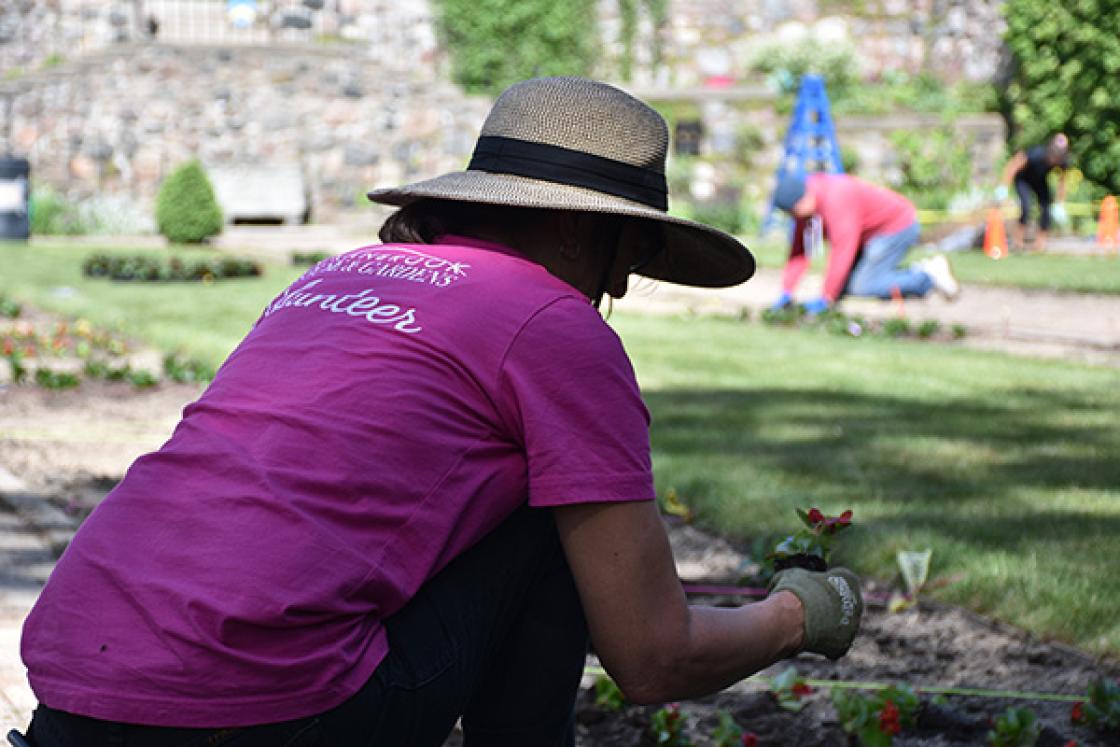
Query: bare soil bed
<point>70,447</point>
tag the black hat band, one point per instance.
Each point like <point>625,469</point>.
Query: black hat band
<point>553,163</point>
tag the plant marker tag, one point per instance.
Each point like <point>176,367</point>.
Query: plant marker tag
<point>915,568</point>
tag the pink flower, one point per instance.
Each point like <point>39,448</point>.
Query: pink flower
<point>815,516</point>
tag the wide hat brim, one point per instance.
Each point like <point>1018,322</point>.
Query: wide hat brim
<point>693,253</point>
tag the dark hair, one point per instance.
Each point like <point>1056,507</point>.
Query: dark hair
<point>425,220</point>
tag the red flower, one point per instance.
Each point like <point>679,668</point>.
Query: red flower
<point>1076,714</point>
<point>845,518</point>
<point>8,347</point>
<point>749,739</point>
<point>889,719</point>
<point>801,689</point>
<point>815,516</point>
<point>1070,743</point>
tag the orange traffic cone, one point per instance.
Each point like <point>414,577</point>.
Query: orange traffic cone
<point>899,304</point>
<point>995,239</point>
<point>1108,227</point>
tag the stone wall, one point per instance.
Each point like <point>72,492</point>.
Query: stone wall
<point>372,107</point>
<point>716,40</point>
<point>122,119</point>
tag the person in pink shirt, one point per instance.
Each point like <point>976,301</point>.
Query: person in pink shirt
<point>869,230</point>
<point>421,482</point>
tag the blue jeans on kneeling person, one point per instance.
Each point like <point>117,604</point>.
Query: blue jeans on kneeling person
<point>877,270</point>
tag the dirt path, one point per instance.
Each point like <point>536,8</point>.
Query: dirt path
<point>1071,326</point>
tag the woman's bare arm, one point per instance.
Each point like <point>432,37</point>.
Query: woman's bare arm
<point>655,646</point>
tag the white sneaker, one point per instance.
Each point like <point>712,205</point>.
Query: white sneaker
<point>937,267</point>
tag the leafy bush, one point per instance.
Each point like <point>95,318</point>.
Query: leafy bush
<point>186,210</point>
<point>495,43</point>
<point>178,367</point>
<point>145,268</point>
<point>724,215</point>
<point>53,215</point>
<point>784,64</point>
<point>935,165</point>
<point>896,91</point>
<point>1066,61</point>
<point>9,308</point>
<point>309,258</point>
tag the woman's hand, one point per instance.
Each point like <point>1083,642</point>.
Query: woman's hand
<point>655,646</point>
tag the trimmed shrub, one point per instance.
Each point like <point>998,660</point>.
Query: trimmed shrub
<point>186,210</point>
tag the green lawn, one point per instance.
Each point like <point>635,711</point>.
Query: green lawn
<point>202,321</point>
<point>1056,272</point>
<point>1006,467</point>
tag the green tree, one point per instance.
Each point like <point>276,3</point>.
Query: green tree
<point>495,43</point>
<point>186,209</point>
<point>1066,61</point>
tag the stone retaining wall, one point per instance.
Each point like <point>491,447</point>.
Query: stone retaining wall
<point>372,107</point>
<point>121,120</point>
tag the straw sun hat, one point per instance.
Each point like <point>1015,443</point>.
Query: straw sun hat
<point>575,144</point>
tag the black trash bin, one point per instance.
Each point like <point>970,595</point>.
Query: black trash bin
<point>15,198</point>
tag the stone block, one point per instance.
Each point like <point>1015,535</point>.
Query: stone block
<point>260,192</point>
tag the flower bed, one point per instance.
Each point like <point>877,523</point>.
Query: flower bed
<point>59,354</point>
<point>151,269</point>
<point>854,325</point>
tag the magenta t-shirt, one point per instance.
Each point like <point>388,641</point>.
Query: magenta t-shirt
<point>387,411</point>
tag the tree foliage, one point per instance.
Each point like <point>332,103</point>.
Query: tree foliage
<point>186,209</point>
<point>495,43</point>
<point>1066,59</point>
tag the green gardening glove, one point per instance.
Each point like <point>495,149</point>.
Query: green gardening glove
<point>833,607</point>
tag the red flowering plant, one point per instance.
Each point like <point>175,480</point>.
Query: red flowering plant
<point>789,690</point>
<point>667,726</point>
<point>729,734</point>
<point>1102,710</point>
<point>875,719</point>
<point>811,546</point>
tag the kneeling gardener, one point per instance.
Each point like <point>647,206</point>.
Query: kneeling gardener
<point>869,230</point>
<point>409,495</point>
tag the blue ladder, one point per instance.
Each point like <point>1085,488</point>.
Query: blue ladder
<point>810,143</point>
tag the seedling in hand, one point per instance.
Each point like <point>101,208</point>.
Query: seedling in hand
<point>811,546</point>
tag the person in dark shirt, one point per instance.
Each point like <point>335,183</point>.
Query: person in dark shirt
<point>1029,170</point>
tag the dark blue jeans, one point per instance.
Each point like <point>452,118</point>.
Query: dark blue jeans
<point>497,638</point>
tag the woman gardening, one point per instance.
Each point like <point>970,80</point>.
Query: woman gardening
<point>421,482</point>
